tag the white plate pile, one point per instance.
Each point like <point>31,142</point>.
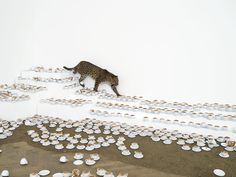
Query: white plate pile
<point>193,110</point>
<point>88,143</point>
<point>23,87</point>
<point>48,70</point>
<point>71,86</point>
<point>50,79</point>
<point>90,92</point>
<point>70,102</point>
<point>91,160</point>
<point>109,96</point>
<point>111,114</point>
<point>8,96</point>
<point>184,105</point>
<point>193,141</point>
<point>7,127</point>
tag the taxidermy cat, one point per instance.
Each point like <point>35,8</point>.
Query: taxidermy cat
<point>100,75</point>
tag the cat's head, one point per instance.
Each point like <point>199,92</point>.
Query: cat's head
<point>115,80</point>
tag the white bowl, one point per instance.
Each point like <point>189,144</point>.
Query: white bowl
<point>196,149</point>
<point>224,154</point>
<point>63,159</point>
<point>90,161</point>
<point>23,161</point>
<point>5,173</point>
<point>78,156</point>
<point>186,147</point>
<point>126,152</point>
<point>167,141</point>
<point>80,147</point>
<point>78,162</point>
<point>138,155</point>
<point>134,146</point>
<point>95,156</point>
<point>101,172</point>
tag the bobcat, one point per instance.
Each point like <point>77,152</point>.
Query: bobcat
<point>85,69</point>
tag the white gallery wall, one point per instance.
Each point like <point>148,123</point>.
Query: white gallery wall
<point>174,50</point>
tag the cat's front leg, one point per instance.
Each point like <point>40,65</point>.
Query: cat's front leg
<point>115,90</point>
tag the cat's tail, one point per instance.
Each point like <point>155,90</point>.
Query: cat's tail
<point>68,68</point>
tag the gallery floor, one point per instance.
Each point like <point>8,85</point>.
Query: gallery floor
<point>159,160</point>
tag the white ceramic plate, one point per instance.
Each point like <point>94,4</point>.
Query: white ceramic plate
<point>185,147</point>
<point>44,172</point>
<point>224,155</point>
<point>78,162</point>
<point>206,148</point>
<point>126,153</point>
<point>58,175</point>
<point>90,162</point>
<point>219,172</point>
<point>138,156</point>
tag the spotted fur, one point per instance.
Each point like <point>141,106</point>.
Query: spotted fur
<point>100,75</point>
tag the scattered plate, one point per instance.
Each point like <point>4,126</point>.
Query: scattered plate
<point>44,172</point>
<point>78,162</point>
<point>219,172</point>
<point>90,162</point>
<point>58,175</point>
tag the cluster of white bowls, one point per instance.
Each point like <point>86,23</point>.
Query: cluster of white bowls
<point>100,172</point>
<point>71,86</point>
<point>48,70</point>
<point>89,92</point>
<point>70,102</point>
<point>188,111</point>
<point>7,128</point>
<point>194,141</point>
<point>23,87</point>
<point>111,114</point>
<point>8,96</point>
<point>79,159</point>
<point>49,80</point>
<point>109,96</point>
<point>89,126</point>
<point>189,123</point>
<point>184,105</point>
<point>119,106</point>
<point>102,94</point>
<point>163,120</point>
<point>172,111</point>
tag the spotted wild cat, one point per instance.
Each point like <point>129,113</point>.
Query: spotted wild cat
<point>100,75</point>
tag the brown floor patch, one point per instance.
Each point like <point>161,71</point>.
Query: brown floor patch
<point>159,160</point>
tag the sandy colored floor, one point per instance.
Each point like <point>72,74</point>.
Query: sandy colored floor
<point>159,160</point>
